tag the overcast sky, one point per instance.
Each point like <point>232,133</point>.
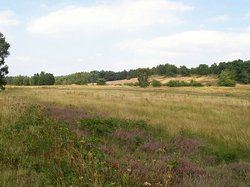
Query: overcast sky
<point>67,36</point>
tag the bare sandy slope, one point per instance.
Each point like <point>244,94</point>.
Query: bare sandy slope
<point>211,79</point>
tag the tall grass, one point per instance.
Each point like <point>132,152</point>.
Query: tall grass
<point>201,134</point>
<point>214,113</point>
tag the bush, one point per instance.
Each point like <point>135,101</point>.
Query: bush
<point>156,83</point>
<point>226,78</point>
<point>143,84</point>
<point>195,83</point>
<point>101,82</point>
<point>177,83</point>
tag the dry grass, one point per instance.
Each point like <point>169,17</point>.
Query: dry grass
<point>213,112</point>
<point>117,82</point>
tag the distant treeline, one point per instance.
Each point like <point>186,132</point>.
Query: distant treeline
<point>239,68</point>
<point>37,79</point>
<point>83,78</point>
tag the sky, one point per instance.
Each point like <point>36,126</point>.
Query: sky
<point>67,36</point>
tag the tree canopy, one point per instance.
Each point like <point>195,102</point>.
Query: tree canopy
<point>4,53</point>
<point>42,79</point>
<point>142,76</point>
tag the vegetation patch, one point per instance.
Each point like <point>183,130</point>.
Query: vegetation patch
<point>44,149</point>
<point>69,115</point>
<point>177,83</point>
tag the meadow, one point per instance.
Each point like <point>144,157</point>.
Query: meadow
<point>218,116</point>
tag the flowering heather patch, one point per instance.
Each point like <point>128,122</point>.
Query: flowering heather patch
<point>186,145</point>
<point>140,170</point>
<point>112,152</point>
<point>65,114</point>
<point>186,167</point>
<point>152,146</point>
<point>108,149</point>
<point>241,169</point>
<point>128,135</point>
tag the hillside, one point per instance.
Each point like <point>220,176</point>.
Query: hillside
<point>205,80</point>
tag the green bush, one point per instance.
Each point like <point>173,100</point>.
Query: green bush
<point>156,83</point>
<point>226,78</point>
<point>173,83</point>
<point>101,82</point>
<point>194,83</point>
<point>177,83</point>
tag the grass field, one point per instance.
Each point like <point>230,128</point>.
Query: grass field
<point>213,112</point>
<point>216,115</point>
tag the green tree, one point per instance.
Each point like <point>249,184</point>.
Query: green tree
<point>43,79</point>
<point>184,71</point>
<point>171,70</point>
<point>203,69</point>
<point>214,69</point>
<point>226,78</point>
<point>4,53</point>
<point>35,79</point>
<point>142,76</point>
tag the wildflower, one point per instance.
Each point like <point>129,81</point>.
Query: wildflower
<point>129,170</point>
<point>147,184</point>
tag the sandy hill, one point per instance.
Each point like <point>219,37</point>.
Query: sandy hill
<point>206,80</point>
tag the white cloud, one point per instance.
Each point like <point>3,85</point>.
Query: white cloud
<point>193,47</point>
<point>220,18</point>
<point>7,18</point>
<point>127,15</point>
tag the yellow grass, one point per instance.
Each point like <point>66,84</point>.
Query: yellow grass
<point>213,112</point>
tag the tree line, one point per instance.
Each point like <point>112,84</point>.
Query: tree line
<point>238,71</point>
<point>83,78</point>
<point>228,72</point>
<point>37,79</point>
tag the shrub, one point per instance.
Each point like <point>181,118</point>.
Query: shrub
<point>101,82</point>
<point>156,83</point>
<point>226,78</point>
<point>173,83</point>
<point>195,83</point>
<point>177,83</point>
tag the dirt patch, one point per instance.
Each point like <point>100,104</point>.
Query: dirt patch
<point>68,115</point>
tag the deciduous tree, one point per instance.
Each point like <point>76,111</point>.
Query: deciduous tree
<point>4,53</point>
